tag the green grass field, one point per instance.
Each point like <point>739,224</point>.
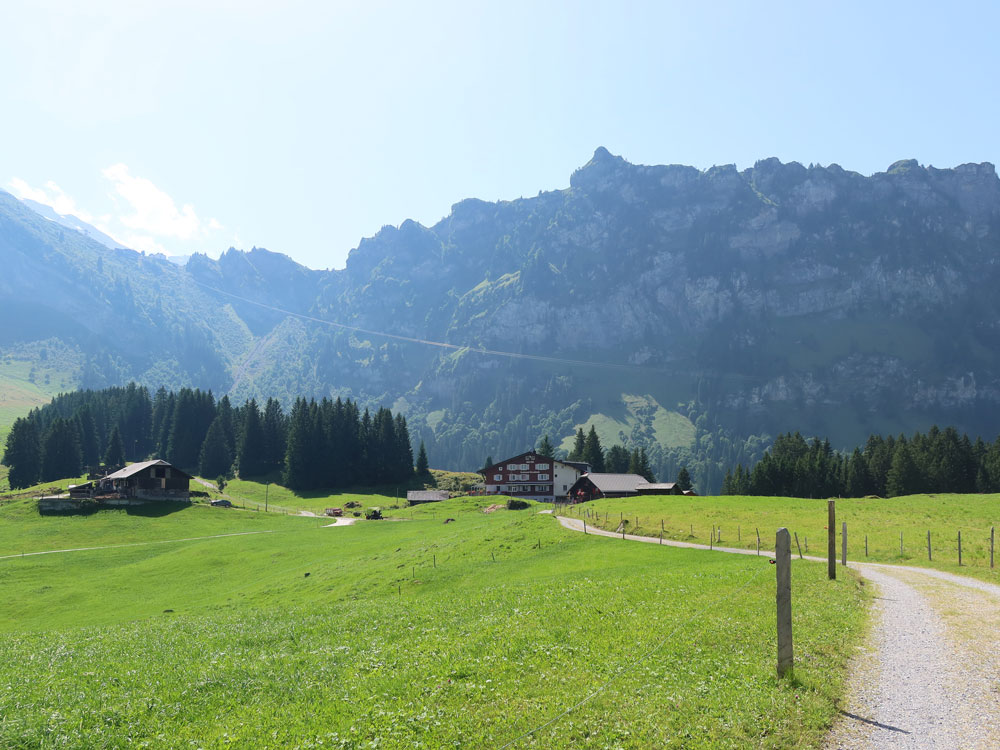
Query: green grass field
<point>409,633</point>
<point>881,520</point>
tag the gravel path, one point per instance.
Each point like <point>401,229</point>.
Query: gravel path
<point>929,676</point>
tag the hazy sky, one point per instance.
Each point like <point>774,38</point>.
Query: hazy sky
<point>303,127</point>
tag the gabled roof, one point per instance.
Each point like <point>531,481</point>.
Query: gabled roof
<point>137,468</point>
<point>538,457</point>
<point>656,486</point>
<point>428,495</point>
<point>615,482</point>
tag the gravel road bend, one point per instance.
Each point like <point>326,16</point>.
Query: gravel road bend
<point>929,675</point>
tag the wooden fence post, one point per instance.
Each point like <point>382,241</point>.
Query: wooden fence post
<point>797,544</point>
<point>783,564</point>
<point>992,535</point>
<point>831,539</point>
<point>866,545</point>
<point>758,540</point>
<point>584,525</point>
<point>960,548</point>
<point>843,545</point>
<point>739,537</point>
<point>928,545</point>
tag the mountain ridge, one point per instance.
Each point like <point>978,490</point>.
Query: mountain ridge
<point>746,301</point>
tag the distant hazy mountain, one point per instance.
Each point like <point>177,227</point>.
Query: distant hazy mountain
<point>72,222</point>
<point>696,312</point>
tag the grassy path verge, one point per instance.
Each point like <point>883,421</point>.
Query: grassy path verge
<point>915,686</point>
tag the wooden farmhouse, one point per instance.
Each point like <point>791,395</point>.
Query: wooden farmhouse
<point>532,476</point>
<point>591,486</point>
<point>149,480</point>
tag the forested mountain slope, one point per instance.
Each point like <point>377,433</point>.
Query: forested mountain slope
<point>729,304</point>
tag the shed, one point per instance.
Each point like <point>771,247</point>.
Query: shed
<point>592,485</point>
<point>659,488</point>
<point>415,497</point>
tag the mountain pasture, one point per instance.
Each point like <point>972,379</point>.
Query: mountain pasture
<point>691,519</point>
<point>421,632</point>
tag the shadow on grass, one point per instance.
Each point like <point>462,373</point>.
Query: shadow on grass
<point>156,509</point>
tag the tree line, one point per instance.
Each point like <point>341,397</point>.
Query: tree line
<point>616,460</point>
<point>938,461</point>
<point>325,444</point>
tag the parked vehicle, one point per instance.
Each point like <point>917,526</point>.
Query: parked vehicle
<point>337,512</point>
<point>221,503</point>
<point>373,514</point>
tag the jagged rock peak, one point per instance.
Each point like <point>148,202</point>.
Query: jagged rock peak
<point>600,171</point>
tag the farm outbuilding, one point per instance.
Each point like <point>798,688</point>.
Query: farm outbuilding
<point>659,488</point>
<point>415,497</point>
<point>591,486</point>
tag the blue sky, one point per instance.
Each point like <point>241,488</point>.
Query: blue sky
<point>303,127</point>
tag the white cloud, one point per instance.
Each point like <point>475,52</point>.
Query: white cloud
<point>148,219</point>
<point>153,210</point>
<point>54,197</point>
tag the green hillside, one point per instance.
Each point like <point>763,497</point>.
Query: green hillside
<point>419,632</point>
<point>640,419</point>
<point>31,374</point>
<point>880,521</point>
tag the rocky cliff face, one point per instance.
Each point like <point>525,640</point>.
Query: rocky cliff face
<point>774,298</point>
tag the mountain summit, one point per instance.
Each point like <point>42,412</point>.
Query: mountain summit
<point>682,309</point>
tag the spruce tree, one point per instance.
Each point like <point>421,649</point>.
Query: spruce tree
<point>23,454</point>
<point>194,412</point>
<point>296,474</point>
<point>423,469</point>
<point>617,460</point>
<point>593,454</point>
<point>858,482</point>
<point>683,479</point>
<point>89,446</point>
<point>215,457</point>
<point>275,429</point>
<point>545,448</point>
<point>578,445</point>
<point>61,455</point>
<point>403,454</point>
<point>250,458</point>
<point>639,464</point>
<point>115,453</point>
<point>904,475</point>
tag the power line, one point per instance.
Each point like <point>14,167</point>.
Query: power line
<point>429,342</point>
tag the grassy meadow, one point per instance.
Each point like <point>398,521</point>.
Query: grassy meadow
<point>418,632</point>
<point>691,519</point>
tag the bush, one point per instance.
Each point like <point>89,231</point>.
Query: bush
<point>515,504</point>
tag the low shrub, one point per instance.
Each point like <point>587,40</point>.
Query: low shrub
<point>515,504</point>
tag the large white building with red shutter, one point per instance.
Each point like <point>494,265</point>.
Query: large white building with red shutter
<point>532,476</point>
